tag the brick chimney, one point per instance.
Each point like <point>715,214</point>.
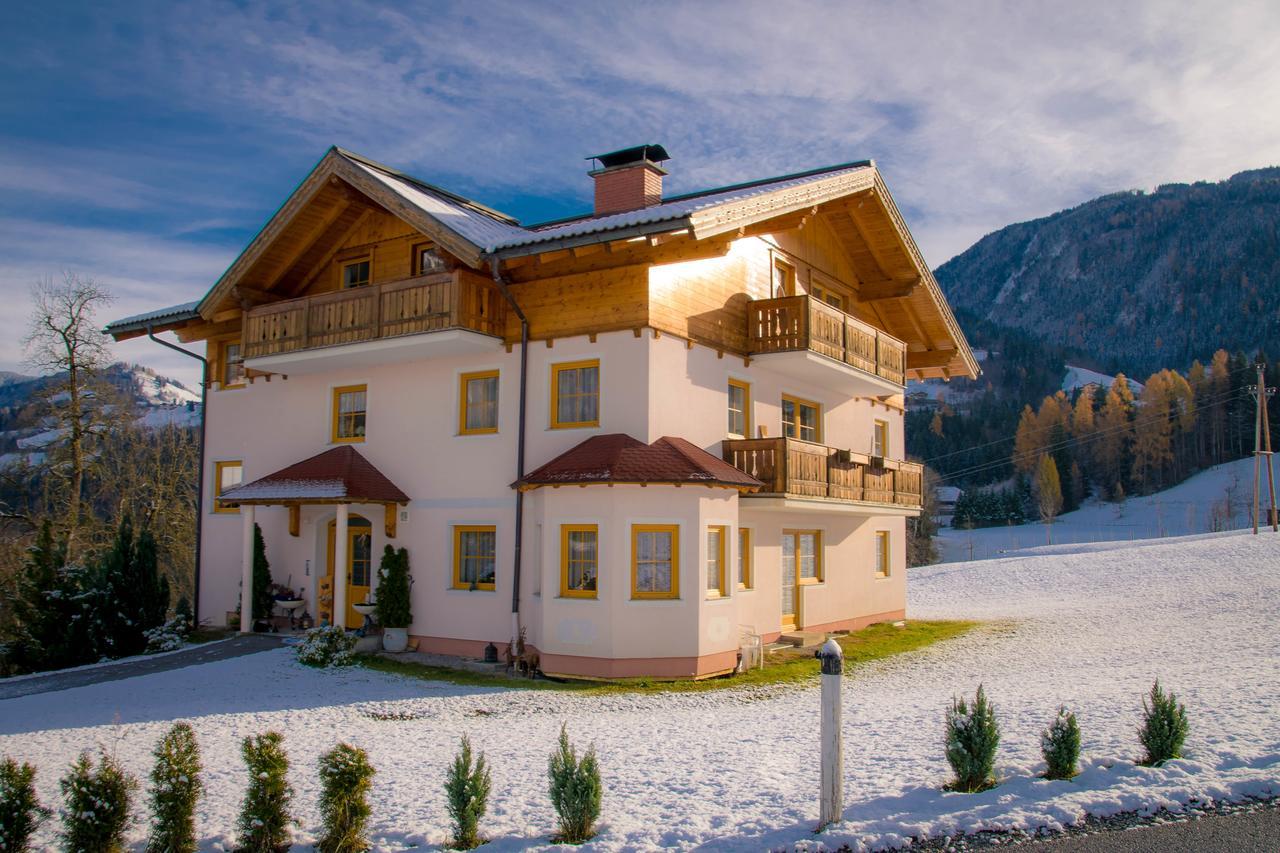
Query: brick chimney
<point>629,179</point>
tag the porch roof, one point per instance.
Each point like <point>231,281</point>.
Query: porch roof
<point>619,458</point>
<point>340,475</point>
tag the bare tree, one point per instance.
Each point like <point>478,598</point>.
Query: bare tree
<point>65,342</point>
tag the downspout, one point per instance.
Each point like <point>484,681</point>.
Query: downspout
<point>204,413</point>
<point>494,263</point>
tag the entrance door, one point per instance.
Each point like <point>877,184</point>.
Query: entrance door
<point>359,570</point>
<point>789,591</point>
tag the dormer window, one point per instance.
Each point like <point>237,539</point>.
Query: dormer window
<point>355,273</point>
<point>426,259</point>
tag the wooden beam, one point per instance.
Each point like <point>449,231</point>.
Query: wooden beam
<point>204,331</point>
<point>930,358</point>
<point>250,296</point>
<point>295,520</point>
<point>389,514</point>
<point>874,291</point>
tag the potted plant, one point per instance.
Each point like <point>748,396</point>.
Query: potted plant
<point>393,599</point>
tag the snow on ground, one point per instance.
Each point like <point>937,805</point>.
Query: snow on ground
<point>1089,627</point>
<point>1081,377</point>
<point>1185,509</point>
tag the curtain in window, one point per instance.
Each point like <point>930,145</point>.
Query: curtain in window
<point>582,560</point>
<point>482,403</point>
<point>653,561</point>
<point>477,557</point>
<point>578,395</point>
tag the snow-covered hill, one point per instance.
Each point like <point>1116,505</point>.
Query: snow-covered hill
<point>1219,498</point>
<point>1083,377</point>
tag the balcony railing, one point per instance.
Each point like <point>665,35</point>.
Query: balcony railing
<point>789,323</point>
<point>427,303</point>
<point>789,467</point>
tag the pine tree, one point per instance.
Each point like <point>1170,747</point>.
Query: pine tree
<point>467,796</point>
<point>263,602</point>
<point>1164,727</point>
<point>1083,426</point>
<point>972,739</point>
<point>175,789</point>
<point>1026,441</point>
<point>393,589</point>
<point>1060,746</point>
<point>345,780</point>
<point>98,799</point>
<point>575,791</point>
<point>47,628</point>
<point>20,811</point>
<point>264,817</point>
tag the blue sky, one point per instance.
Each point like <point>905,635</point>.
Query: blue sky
<point>144,144</point>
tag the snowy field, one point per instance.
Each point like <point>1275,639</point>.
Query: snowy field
<point>1183,510</point>
<point>1089,627</point>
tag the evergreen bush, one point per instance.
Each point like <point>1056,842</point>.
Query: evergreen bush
<point>97,800</point>
<point>1164,726</point>
<point>48,624</point>
<point>467,795</point>
<point>20,811</point>
<point>972,738</point>
<point>1060,746</point>
<point>345,780</point>
<point>183,612</point>
<point>575,791</point>
<point>175,788</point>
<point>264,816</point>
<point>326,646</point>
<point>263,600</point>
<point>393,589</point>
<point>130,595</point>
<point>169,637</point>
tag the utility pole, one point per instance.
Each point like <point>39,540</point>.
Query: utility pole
<point>1261,448</point>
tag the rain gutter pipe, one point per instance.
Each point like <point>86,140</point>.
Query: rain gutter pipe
<point>505,289</point>
<point>204,412</point>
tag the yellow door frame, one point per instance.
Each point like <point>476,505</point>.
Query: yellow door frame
<point>357,525</point>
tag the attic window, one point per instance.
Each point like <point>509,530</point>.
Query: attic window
<point>355,273</point>
<point>426,259</point>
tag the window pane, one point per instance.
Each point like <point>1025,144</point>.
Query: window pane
<point>578,395</point>
<point>482,403</point>
<point>581,561</point>
<point>233,370</point>
<point>744,558</point>
<point>737,410</point>
<point>788,419</point>
<point>355,275</point>
<point>229,475</point>
<point>808,555</point>
<point>714,554</point>
<point>653,561</point>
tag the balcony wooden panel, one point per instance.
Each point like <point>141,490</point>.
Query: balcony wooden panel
<point>789,467</point>
<point>790,323</point>
<point>428,303</point>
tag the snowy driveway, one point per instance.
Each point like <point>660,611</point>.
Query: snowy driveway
<point>737,770</point>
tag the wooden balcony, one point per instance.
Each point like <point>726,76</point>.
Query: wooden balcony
<point>426,303</point>
<point>791,468</point>
<point>800,323</point>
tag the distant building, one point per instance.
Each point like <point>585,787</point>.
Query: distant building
<point>945,498</point>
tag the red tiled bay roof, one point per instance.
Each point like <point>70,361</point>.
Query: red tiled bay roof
<point>619,458</point>
<point>340,475</point>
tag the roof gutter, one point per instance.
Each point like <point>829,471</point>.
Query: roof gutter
<point>204,393</point>
<point>521,430</point>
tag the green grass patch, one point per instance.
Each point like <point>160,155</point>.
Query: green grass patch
<point>785,666</point>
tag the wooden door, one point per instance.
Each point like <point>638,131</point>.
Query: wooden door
<point>359,570</point>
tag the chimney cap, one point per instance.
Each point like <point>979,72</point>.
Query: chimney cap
<point>628,156</point>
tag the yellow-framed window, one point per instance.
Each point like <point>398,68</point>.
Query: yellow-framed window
<point>805,547</point>
<point>882,553</point>
<point>745,580</point>
<point>575,394</point>
<point>717,580</point>
<point>226,475</point>
<point>478,403</point>
<point>739,408</point>
<point>801,418</point>
<point>579,560</point>
<point>475,556</point>
<point>880,438</point>
<point>655,561</point>
<point>231,363</point>
<point>355,272</point>
<point>350,408</point>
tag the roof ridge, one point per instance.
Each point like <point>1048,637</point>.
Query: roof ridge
<point>477,206</point>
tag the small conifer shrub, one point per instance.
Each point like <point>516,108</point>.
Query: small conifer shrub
<point>98,798</point>
<point>264,816</point>
<point>575,791</point>
<point>467,795</point>
<point>1164,726</point>
<point>175,789</point>
<point>20,811</point>
<point>1060,746</point>
<point>326,646</point>
<point>345,779</point>
<point>972,738</point>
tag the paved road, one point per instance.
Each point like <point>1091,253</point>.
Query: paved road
<point>1242,832</point>
<point>205,653</point>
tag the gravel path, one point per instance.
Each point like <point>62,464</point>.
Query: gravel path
<point>96,674</point>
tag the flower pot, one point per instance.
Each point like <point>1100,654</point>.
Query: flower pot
<point>395,639</point>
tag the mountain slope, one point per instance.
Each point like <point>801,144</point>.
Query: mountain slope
<point>1138,280</point>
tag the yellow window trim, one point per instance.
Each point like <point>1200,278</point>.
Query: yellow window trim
<point>217,485</point>
<point>746,405</point>
<point>674,530</point>
<point>722,586</point>
<point>556,370</point>
<point>333,422</point>
<point>744,556</point>
<point>222,364</point>
<point>462,402</point>
<point>882,540</point>
<point>458,530</point>
<point>881,436</point>
<point>819,571</point>
<point>565,530</point>
<point>798,402</point>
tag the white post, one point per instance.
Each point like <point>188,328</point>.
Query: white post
<point>832,658</point>
<point>340,566</point>
<point>246,569</point>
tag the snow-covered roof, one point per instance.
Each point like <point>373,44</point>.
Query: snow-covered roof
<point>339,474</point>
<point>185,311</point>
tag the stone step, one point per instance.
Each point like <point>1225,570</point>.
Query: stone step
<point>803,639</point>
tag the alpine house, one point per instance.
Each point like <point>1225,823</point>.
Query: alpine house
<point>641,435</point>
